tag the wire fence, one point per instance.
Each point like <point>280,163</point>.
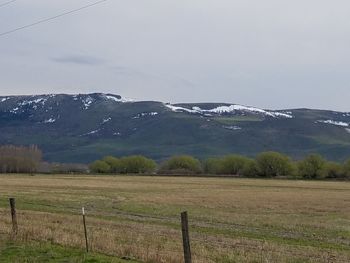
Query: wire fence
<point>150,238</point>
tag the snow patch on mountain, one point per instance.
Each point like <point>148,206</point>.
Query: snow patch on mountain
<point>41,101</point>
<point>281,114</point>
<point>233,128</point>
<point>4,99</point>
<point>93,132</point>
<point>87,102</point>
<point>348,130</point>
<point>34,103</point>
<point>90,133</point>
<point>106,120</point>
<point>230,109</point>
<point>332,122</point>
<point>51,120</point>
<point>15,110</point>
<point>181,109</point>
<point>145,114</point>
<point>117,99</point>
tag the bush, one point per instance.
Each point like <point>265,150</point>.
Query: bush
<point>233,164</point>
<point>346,169</point>
<point>114,163</point>
<point>212,166</point>
<point>333,170</point>
<point>272,164</point>
<point>251,168</point>
<point>100,167</point>
<point>312,167</point>
<point>181,165</point>
<point>137,164</point>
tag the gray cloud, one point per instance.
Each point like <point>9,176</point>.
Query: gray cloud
<point>270,54</point>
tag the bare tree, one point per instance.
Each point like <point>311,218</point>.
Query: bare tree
<point>19,159</point>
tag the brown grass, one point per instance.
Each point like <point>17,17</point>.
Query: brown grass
<point>232,220</point>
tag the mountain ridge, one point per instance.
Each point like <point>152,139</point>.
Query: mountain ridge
<point>84,127</point>
<point>172,103</point>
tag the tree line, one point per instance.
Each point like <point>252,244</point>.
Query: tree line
<point>265,165</point>
<point>19,159</point>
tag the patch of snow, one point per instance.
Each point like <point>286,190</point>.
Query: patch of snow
<point>106,120</point>
<point>4,99</point>
<point>144,114</point>
<point>281,114</point>
<point>181,109</point>
<point>234,128</point>
<point>229,109</point>
<point>51,120</point>
<point>90,133</point>
<point>93,132</point>
<point>117,134</point>
<point>35,103</point>
<point>15,110</point>
<point>337,123</point>
<point>42,101</point>
<point>87,102</point>
<point>116,99</point>
<point>348,130</point>
<point>233,108</point>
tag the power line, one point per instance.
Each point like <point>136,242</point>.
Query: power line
<point>7,3</point>
<point>51,18</point>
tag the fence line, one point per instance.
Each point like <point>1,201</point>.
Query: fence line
<point>184,227</point>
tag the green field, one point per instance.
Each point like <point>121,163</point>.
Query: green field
<point>138,217</point>
<point>12,252</point>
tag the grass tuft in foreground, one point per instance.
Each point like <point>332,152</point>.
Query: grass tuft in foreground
<point>34,252</point>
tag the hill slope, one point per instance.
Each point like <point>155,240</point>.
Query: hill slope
<point>81,128</point>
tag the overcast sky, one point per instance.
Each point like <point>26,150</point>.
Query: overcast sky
<point>271,54</point>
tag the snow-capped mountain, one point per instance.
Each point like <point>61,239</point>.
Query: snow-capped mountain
<point>84,127</point>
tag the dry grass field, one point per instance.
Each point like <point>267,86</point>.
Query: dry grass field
<point>231,220</point>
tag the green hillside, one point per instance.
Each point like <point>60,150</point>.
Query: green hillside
<point>82,128</point>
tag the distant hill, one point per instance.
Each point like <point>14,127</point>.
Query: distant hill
<point>84,127</point>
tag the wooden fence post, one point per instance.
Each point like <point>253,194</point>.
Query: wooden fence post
<point>186,238</point>
<point>85,231</point>
<point>13,215</point>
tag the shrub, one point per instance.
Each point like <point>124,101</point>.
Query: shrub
<point>312,167</point>
<point>100,167</point>
<point>272,164</point>
<point>251,168</point>
<point>233,164</point>
<point>137,164</point>
<point>181,165</point>
<point>333,170</point>
<point>346,169</point>
<point>212,166</point>
<point>114,163</point>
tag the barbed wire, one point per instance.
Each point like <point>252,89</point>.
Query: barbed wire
<point>196,238</point>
